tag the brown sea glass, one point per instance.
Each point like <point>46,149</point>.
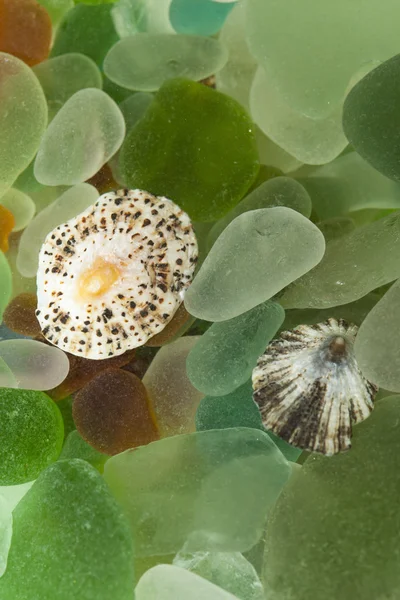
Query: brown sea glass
<point>20,317</point>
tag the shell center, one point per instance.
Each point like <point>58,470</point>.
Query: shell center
<point>98,279</point>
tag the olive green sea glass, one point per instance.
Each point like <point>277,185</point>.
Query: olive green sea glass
<point>5,284</point>
<point>70,539</point>
<point>189,489</point>
<point>32,433</point>
<point>334,530</point>
<point>257,255</point>
<point>21,206</point>
<point>201,134</point>
<point>22,123</point>
<point>226,354</point>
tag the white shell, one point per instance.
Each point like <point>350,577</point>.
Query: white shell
<point>151,242</point>
<point>309,388</point>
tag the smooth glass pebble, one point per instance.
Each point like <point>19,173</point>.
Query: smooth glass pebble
<point>228,570</point>
<point>352,266</point>
<point>7,224</point>
<point>70,204</point>
<point>278,191</point>
<point>65,407</point>
<point>233,278</point>
<point>62,76</point>
<point>189,489</point>
<point>13,494</point>
<point>22,123</point>
<point>20,316</point>
<point>20,285</point>
<point>56,9</point>
<point>134,107</point>
<point>25,30</point>
<point>97,134</point>
<point>205,135</point>
<point>353,498</point>
<point>87,30</point>
<point>371,120</point>
<point>5,532</point>
<point>7,378</point>
<point>22,207</point>
<point>5,284</point>
<point>174,400</point>
<point>376,346</point>
<point>226,354</point>
<point>174,583</point>
<point>36,366</point>
<point>198,17</point>
<point>76,447</point>
<point>85,539</point>
<point>310,140</point>
<point>146,60</point>
<point>134,16</point>
<point>32,434</point>
<point>275,156</point>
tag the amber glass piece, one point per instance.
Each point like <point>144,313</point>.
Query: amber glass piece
<point>103,180</point>
<point>25,30</point>
<point>112,412</point>
<point>20,317</point>
<point>7,224</point>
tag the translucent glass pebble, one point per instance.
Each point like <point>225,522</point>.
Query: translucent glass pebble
<point>194,130</point>
<point>234,278</point>
<point>376,347</point>
<point>69,536</point>
<point>134,16</point>
<point>7,378</point>
<point>7,224</point>
<point>62,76</point>
<point>57,8</point>
<point>275,156</point>
<point>20,317</point>
<point>227,352</point>
<point>22,123</point>
<point>32,433</point>
<point>173,398</point>
<point>21,206</point>
<point>70,204</point>
<point>76,447</point>
<point>279,191</point>
<point>353,498</point>
<point>145,60</point>
<point>201,17</point>
<point>97,132</point>
<point>134,107</point>
<point>352,266</point>
<point>5,284</point>
<point>191,488</point>
<point>36,366</point>
<point>371,120</point>
<point>174,583</point>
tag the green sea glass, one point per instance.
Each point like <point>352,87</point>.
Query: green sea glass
<point>5,532</point>
<point>22,207</point>
<point>319,535</point>
<point>7,378</point>
<point>76,447</point>
<point>198,17</point>
<point>189,489</point>
<point>69,539</point>
<point>5,284</point>
<point>31,434</point>
<point>22,123</point>
<point>256,256</point>
<point>57,8</point>
<point>134,107</point>
<point>133,16</point>
<point>226,354</point>
<point>200,133</point>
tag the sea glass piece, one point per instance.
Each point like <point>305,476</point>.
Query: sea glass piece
<point>145,60</point>
<point>70,204</point>
<point>173,398</point>
<point>32,433</point>
<point>370,118</point>
<point>76,447</point>
<point>7,224</point>
<point>36,366</point>
<point>225,356</point>
<point>5,532</point>
<point>62,76</point>
<point>178,325</point>
<point>228,570</point>
<point>234,278</point>
<point>134,16</point>
<point>112,412</point>
<point>5,284</point>
<point>20,285</point>
<point>87,30</point>
<point>352,266</point>
<point>313,76</point>
<point>174,583</point>
<point>376,344</point>
<point>279,191</point>
<point>273,155</point>
<point>194,130</point>
<point>134,107</point>
<point>65,407</point>
<point>21,206</point>
<point>25,30</point>
<point>22,123</point>
<point>198,17</point>
<point>7,378</point>
<point>98,132</point>
<point>189,489</point>
<point>56,9</point>
<point>13,494</point>
<point>346,510</point>
<point>310,140</point>
<point>85,541</point>
<point>20,317</point>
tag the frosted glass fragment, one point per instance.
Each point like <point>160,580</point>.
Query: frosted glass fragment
<point>76,447</point>
<point>133,16</point>
<point>273,155</point>
<point>57,8</point>
<point>134,107</point>
<point>7,378</point>
<point>21,206</point>
<point>5,284</point>
<point>5,532</point>
<point>234,278</point>
<point>202,17</point>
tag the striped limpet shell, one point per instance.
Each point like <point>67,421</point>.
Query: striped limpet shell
<point>309,387</point>
<point>115,275</point>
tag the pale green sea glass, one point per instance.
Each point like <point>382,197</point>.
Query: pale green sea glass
<point>22,207</point>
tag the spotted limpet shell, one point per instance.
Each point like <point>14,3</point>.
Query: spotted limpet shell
<point>115,275</point>
<point>310,389</point>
